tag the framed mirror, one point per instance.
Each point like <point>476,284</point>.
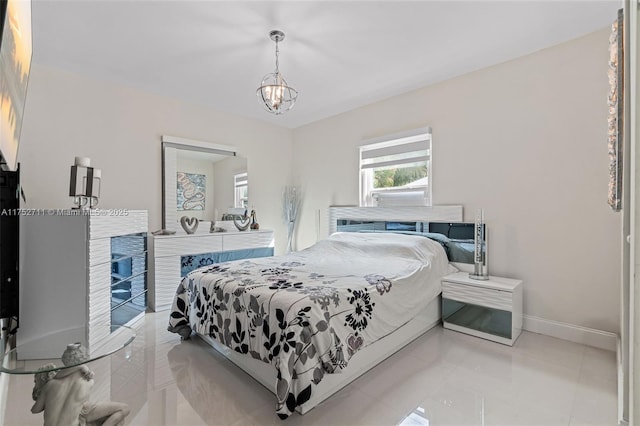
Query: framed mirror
<point>201,180</point>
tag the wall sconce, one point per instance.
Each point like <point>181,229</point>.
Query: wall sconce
<point>84,184</point>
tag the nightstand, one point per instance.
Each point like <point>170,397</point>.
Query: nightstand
<point>490,309</point>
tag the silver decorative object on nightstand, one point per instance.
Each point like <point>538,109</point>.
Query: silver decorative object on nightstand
<point>480,269</point>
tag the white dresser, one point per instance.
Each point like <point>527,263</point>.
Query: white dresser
<point>67,265</point>
<point>168,252</point>
<point>491,309</point>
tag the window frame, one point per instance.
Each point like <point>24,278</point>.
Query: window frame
<point>238,183</point>
<point>411,137</point>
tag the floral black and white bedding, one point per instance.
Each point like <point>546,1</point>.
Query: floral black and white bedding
<point>308,313</point>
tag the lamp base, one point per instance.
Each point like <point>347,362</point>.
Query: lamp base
<point>479,277</point>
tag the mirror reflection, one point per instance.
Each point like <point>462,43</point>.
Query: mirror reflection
<point>205,181</point>
<point>456,238</point>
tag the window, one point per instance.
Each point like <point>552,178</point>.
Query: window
<point>396,170</point>
<point>241,190</point>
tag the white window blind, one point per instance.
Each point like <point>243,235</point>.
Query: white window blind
<point>396,170</point>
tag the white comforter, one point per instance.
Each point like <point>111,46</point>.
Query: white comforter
<point>307,313</point>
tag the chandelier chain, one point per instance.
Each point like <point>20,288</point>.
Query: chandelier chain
<point>277,58</point>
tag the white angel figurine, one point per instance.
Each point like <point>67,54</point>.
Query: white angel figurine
<point>64,395</point>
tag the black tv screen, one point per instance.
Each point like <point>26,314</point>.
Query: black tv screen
<point>15,64</point>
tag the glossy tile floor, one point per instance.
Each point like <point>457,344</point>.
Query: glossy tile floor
<point>443,378</point>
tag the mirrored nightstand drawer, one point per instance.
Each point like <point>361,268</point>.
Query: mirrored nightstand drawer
<point>490,309</point>
<point>481,318</point>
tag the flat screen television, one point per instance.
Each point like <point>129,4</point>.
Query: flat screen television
<point>15,64</point>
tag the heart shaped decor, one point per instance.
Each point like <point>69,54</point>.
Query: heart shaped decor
<point>242,224</point>
<point>189,224</point>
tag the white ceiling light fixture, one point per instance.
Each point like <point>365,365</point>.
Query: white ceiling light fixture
<point>274,92</point>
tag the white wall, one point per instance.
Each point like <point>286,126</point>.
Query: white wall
<point>119,128</point>
<point>525,140</point>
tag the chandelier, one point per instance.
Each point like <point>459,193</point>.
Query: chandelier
<point>274,92</point>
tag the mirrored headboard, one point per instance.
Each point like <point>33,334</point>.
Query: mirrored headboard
<point>197,180</point>
<point>440,223</point>
<point>457,239</point>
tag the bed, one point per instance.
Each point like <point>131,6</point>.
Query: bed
<point>308,323</point>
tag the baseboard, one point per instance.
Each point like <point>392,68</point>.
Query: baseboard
<point>573,333</point>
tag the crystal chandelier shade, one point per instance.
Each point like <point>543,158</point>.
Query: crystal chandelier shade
<point>275,95</point>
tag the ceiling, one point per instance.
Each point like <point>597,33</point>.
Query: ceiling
<point>338,54</point>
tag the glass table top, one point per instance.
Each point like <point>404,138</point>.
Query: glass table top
<point>64,349</point>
